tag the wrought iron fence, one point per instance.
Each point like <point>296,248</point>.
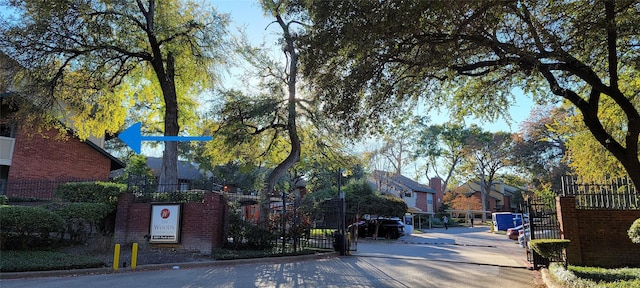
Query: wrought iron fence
<point>540,221</point>
<point>605,193</point>
<point>28,190</point>
<point>291,227</point>
<point>147,189</point>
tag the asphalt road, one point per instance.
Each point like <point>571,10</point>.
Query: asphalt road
<point>458,257</point>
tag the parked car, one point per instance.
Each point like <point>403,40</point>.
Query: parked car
<point>514,232</point>
<point>390,228</point>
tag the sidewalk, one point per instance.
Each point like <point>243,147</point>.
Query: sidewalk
<point>167,266</point>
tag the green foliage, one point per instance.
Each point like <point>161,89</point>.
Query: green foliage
<point>29,226</point>
<point>634,231</point>
<point>226,254</point>
<point>246,235</point>
<point>360,199</point>
<point>152,61</point>
<point>260,237</point>
<point>4,200</point>
<point>540,146</point>
<point>178,197</point>
<point>549,248</point>
<point>589,158</point>
<point>82,218</point>
<point>442,146</point>
<point>547,196</point>
<point>136,167</point>
<point>21,261</point>
<point>365,57</point>
<point>393,206</point>
<point>591,277</point>
<point>96,192</point>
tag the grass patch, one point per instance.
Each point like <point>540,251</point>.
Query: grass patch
<point>20,261</point>
<point>578,276</point>
<point>228,254</point>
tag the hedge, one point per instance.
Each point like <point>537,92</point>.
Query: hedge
<point>28,225</point>
<point>96,192</point>
<point>83,218</point>
<point>548,248</point>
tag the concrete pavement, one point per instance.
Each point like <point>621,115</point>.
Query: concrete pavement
<point>458,257</point>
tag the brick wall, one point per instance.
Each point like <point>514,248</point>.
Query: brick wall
<point>421,201</point>
<point>598,237</point>
<point>202,229</point>
<point>44,157</point>
<point>436,184</point>
<point>506,207</point>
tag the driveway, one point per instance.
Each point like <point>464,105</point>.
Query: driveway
<point>458,257</point>
<point>458,245</point>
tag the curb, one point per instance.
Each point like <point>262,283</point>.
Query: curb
<point>166,266</point>
<point>548,279</point>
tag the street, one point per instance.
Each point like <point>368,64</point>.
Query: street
<point>458,257</point>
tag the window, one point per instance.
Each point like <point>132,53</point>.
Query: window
<point>407,194</point>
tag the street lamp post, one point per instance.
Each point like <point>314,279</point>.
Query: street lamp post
<point>343,209</point>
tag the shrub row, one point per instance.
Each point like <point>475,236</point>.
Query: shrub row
<point>177,197</point>
<point>18,261</point>
<point>549,248</point>
<point>95,192</point>
<point>26,226</point>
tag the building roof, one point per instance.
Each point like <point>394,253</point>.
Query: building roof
<point>471,187</point>
<point>402,180</point>
<point>186,170</point>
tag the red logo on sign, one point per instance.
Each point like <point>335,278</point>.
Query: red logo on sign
<point>164,213</point>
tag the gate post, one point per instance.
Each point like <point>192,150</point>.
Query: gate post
<point>569,229</point>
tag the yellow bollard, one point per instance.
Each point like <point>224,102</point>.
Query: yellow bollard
<point>116,257</point>
<point>134,255</point>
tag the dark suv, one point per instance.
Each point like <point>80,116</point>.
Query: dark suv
<point>390,228</point>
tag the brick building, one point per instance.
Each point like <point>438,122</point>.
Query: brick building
<point>420,198</point>
<point>32,160</point>
<point>46,158</point>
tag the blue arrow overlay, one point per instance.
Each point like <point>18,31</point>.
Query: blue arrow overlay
<point>131,136</point>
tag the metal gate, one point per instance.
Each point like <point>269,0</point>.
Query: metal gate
<point>325,222</point>
<point>540,221</point>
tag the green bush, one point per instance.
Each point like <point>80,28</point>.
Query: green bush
<point>634,231</point>
<point>578,276</point>
<point>549,248</point>
<point>20,261</point>
<point>176,197</point>
<point>27,226</point>
<point>96,192</point>
<point>259,237</point>
<point>82,218</point>
<point>4,200</point>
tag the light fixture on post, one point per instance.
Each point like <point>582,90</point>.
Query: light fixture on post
<point>342,235</point>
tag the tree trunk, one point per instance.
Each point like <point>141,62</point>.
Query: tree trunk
<point>168,180</point>
<point>294,154</point>
<point>483,198</point>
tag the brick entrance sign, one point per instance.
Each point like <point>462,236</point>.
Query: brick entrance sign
<point>202,225</point>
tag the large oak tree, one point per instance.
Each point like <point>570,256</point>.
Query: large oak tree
<point>470,55</point>
<point>92,57</point>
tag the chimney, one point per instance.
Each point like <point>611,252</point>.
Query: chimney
<point>436,184</point>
